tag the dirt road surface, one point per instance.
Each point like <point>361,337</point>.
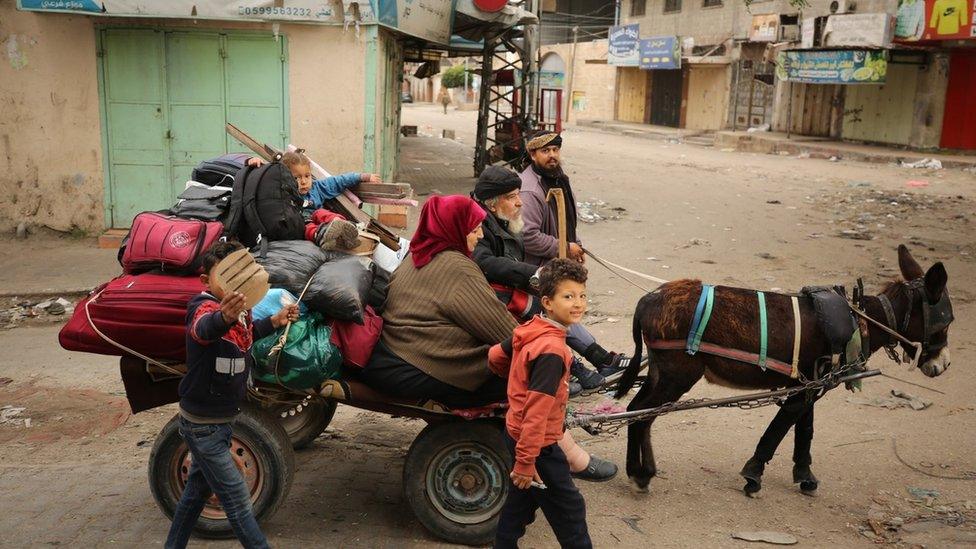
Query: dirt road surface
<point>77,476</point>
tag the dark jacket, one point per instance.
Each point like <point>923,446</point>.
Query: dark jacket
<point>217,372</point>
<point>501,255</point>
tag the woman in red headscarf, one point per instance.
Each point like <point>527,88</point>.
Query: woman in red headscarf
<point>441,316</point>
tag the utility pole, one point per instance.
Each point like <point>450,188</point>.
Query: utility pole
<point>532,74</point>
<point>465,79</point>
<point>572,72</point>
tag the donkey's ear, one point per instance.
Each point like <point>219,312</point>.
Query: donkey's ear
<point>910,269</point>
<point>935,281</point>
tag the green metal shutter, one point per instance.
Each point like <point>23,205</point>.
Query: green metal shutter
<point>166,98</point>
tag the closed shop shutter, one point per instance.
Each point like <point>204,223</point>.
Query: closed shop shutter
<point>882,114</point>
<point>166,97</point>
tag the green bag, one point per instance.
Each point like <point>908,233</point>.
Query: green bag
<point>308,358</point>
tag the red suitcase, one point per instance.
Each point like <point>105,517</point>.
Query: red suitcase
<point>145,312</point>
<point>166,242</point>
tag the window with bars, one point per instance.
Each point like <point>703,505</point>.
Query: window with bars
<point>711,3</point>
<point>672,6</point>
<point>638,7</point>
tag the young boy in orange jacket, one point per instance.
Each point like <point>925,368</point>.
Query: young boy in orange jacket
<point>537,361</point>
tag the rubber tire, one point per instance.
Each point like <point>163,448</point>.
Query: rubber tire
<point>318,412</point>
<point>487,435</point>
<point>272,450</point>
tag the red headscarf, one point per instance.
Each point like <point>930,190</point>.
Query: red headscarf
<point>445,222</point>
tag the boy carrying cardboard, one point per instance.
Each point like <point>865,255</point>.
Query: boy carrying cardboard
<point>219,333</point>
<point>537,362</point>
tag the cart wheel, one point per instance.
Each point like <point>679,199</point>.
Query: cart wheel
<point>305,425</point>
<point>456,479</point>
<point>269,463</point>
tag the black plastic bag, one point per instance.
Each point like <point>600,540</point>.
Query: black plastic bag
<point>290,263</point>
<point>340,288</point>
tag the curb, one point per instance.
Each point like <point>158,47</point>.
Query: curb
<point>48,292</point>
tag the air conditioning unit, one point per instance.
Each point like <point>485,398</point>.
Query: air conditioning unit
<point>842,6</point>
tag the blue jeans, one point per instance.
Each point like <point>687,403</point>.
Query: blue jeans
<point>213,471</point>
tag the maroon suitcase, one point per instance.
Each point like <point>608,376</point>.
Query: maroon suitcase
<point>169,243</point>
<point>145,313</point>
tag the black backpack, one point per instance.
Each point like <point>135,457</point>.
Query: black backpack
<point>219,171</point>
<point>265,205</point>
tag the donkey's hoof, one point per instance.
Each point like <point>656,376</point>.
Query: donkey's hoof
<point>806,479</point>
<point>640,484</point>
<point>752,487</point>
<point>809,488</point>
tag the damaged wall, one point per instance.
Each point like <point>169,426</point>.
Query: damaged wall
<point>50,145</point>
<point>50,132</point>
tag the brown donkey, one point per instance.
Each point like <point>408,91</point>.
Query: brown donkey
<point>921,312</point>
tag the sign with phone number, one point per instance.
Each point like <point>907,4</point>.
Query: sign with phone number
<point>265,10</point>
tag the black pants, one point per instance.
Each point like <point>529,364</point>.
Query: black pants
<point>390,374</point>
<point>561,503</point>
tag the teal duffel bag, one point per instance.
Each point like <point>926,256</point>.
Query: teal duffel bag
<point>307,359</point>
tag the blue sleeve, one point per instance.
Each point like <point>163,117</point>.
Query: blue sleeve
<point>332,186</point>
<point>208,326</point>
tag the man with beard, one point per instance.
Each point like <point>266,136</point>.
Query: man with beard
<point>501,256</point>
<point>541,236</point>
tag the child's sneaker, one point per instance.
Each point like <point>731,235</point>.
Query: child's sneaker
<point>338,235</point>
<point>615,368</point>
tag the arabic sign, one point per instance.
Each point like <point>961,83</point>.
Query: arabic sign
<point>660,52</point>
<point>859,30</point>
<point>242,10</point>
<point>623,48</point>
<point>427,19</point>
<point>832,67</point>
<point>765,28</point>
<point>551,79</point>
<point>935,20</point>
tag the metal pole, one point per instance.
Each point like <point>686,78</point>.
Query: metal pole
<point>702,403</point>
<point>572,71</point>
<point>735,97</point>
<point>531,87</point>
<point>789,112</point>
<point>465,79</point>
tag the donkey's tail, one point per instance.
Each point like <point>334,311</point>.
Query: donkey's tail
<point>629,377</point>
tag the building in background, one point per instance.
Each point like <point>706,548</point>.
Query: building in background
<point>109,105</point>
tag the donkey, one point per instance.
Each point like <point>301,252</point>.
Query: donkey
<point>917,307</point>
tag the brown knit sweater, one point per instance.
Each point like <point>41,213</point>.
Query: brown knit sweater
<point>444,318</point>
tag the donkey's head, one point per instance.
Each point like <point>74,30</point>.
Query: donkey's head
<point>928,314</point>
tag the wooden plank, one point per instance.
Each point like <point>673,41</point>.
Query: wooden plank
<point>341,203</point>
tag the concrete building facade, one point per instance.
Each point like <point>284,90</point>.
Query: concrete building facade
<point>87,112</point>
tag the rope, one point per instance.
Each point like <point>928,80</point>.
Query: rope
<point>614,268</point>
<point>278,347</point>
<point>970,475</point>
<point>132,352</point>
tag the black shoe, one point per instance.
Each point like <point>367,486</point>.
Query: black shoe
<point>574,388</point>
<point>615,368</point>
<point>588,379</point>
<point>599,470</point>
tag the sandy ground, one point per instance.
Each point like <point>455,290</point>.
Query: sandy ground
<point>77,475</point>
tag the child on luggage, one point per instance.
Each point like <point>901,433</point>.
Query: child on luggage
<point>538,363</point>
<point>219,333</point>
<point>328,229</point>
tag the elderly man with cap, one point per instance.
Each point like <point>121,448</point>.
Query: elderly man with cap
<point>541,236</point>
<point>501,256</point>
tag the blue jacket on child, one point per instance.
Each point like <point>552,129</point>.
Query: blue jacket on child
<point>329,188</point>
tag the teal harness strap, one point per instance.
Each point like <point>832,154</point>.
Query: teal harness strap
<point>763,330</point>
<point>702,313</point>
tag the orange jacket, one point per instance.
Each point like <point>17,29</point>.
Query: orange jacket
<point>536,361</point>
